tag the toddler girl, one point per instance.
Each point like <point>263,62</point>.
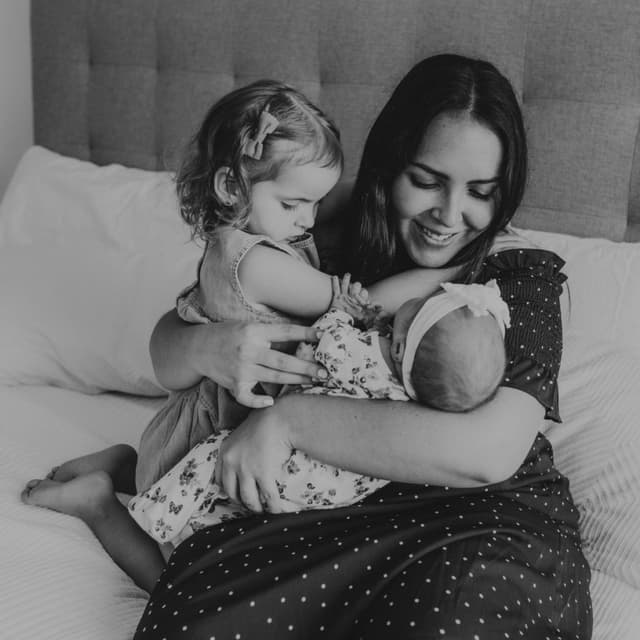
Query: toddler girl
<point>250,186</point>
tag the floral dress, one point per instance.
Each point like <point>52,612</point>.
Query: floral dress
<point>409,561</point>
<point>187,499</point>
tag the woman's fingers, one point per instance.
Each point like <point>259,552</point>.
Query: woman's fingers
<point>249,495</point>
<point>244,394</point>
<point>273,503</point>
<point>271,333</point>
<point>287,364</point>
<point>256,361</point>
<point>229,482</point>
<point>269,500</point>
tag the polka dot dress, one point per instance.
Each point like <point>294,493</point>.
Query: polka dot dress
<point>410,561</point>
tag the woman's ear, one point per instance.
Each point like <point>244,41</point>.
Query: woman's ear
<point>224,184</point>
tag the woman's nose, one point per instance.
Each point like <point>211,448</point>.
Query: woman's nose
<point>449,210</point>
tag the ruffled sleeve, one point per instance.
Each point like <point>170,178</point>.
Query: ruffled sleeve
<point>530,281</point>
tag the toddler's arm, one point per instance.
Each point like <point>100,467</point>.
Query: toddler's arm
<point>275,279</point>
<point>278,280</point>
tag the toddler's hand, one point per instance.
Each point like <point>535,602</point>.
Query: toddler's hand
<point>353,298</point>
<point>382,322</point>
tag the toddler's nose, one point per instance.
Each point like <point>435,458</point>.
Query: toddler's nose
<point>307,217</point>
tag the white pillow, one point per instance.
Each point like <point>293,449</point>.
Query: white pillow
<point>81,319</point>
<point>90,257</point>
<point>53,199</point>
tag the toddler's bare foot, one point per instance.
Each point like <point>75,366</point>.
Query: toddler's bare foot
<point>85,496</point>
<point>118,461</point>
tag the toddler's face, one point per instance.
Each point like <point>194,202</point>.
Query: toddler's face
<point>286,207</point>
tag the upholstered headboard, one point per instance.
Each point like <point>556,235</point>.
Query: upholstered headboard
<point>128,80</point>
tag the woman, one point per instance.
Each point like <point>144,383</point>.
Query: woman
<point>477,535</point>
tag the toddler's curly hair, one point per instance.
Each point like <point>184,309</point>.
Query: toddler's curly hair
<point>304,134</point>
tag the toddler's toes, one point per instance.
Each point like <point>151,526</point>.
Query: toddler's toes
<point>51,475</point>
<point>76,497</point>
<point>27,494</point>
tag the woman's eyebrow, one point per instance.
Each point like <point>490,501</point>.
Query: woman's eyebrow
<point>296,199</point>
<point>444,176</point>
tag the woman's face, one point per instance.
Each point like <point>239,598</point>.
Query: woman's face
<point>444,198</point>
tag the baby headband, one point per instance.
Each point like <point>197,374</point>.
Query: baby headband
<point>482,300</point>
<point>267,124</point>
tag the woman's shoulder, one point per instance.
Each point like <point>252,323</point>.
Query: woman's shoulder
<point>513,253</point>
<point>509,238</point>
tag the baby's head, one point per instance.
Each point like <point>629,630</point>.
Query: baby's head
<point>454,356</point>
<point>262,159</point>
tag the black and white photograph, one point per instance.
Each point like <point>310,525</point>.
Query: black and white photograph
<point>320,319</point>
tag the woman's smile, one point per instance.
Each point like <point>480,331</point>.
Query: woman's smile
<point>435,238</point>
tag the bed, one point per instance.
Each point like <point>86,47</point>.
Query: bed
<point>92,250</point>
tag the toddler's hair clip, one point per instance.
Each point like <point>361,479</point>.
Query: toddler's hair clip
<point>267,124</point>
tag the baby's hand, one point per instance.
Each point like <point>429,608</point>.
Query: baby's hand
<point>382,323</point>
<point>353,298</point>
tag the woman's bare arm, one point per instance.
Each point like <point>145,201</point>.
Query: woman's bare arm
<point>398,441</point>
<point>406,442</point>
<point>394,291</point>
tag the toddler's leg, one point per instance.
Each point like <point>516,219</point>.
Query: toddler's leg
<point>91,497</point>
<point>118,461</point>
<point>186,498</point>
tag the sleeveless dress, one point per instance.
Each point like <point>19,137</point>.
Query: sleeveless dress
<point>410,561</point>
<point>187,499</point>
<point>190,415</point>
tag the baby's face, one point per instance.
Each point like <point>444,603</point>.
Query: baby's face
<point>401,322</point>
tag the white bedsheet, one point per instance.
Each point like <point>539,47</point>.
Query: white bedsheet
<point>57,581</point>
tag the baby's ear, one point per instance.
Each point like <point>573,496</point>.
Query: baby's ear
<point>397,349</point>
<point>224,184</point>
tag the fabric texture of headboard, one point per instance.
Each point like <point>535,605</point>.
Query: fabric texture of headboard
<point>127,81</point>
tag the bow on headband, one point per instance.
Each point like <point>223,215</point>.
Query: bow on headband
<point>482,300</point>
<point>266,125</point>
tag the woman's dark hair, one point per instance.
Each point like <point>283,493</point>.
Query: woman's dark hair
<point>303,134</point>
<point>439,84</point>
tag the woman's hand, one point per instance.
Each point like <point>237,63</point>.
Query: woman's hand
<point>251,458</point>
<point>241,355</point>
<point>235,355</point>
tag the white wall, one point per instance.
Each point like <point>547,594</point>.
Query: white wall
<point>16,105</point>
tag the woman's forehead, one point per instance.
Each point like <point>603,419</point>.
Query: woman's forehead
<point>460,147</point>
